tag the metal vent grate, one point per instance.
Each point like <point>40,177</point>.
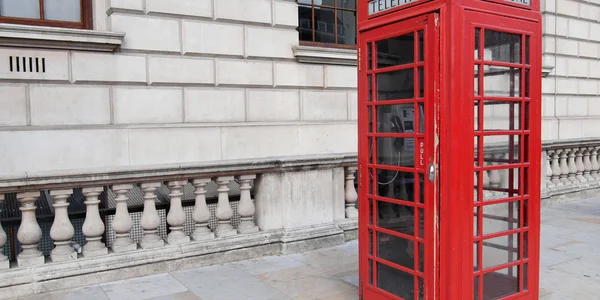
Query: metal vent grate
<point>25,64</point>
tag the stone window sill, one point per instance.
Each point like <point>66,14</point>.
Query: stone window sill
<point>58,38</point>
<point>322,55</point>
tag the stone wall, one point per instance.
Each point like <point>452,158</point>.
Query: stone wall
<point>194,80</point>
<point>571,107</point>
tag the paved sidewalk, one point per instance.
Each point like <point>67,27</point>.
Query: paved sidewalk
<point>570,269</point>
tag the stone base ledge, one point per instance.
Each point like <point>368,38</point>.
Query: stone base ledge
<point>19,282</point>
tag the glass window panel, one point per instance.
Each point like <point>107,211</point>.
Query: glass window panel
<point>527,83</point>
<point>421,45</point>
<point>324,2</point>
<point>346,26</point>
<point>500,284</point>
<point>396,85</point>
<point>395,250</point>
<point>525,276</point>
<point>305,25</point>
<point>526,245</point>
<point>421,106</point>
<point>62,10</point>
<point>395,282</point>
<point>370,272</point>
<point>396,152</point>
<point>477,42</point>
<point>501,250</point>
<point>501,81</point>
<point>501,115</point>
<point>324,25</point>
<point>397,118</point>
<point>370,56</point>
<point>371,182</point>
<point>396,217</point>
<point>476,183</point>
<point>476,256</point>
<point>421,188</point>
<point>476,148</point>
<point>501,149</point>
<point>527,49</point>
<point>370,241</point>
<point>421,222</point>
<point>370,81</point>
<point>498,185</point>
<point>370,112</point>
<point>305,1</point>
<point>500,217</point>
<point>502,46</point>
<point>421,82</point>
<point>421,257</point>
<point>476,114</point>
<point>476,79</point>
<point>20,8</point>
<point>476,288</point>
<point>421,288</point>
<point>346,4</point>
<point>396,185</point>
<point>395,51</point>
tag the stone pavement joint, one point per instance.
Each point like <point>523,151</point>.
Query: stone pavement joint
<point>570,270</point>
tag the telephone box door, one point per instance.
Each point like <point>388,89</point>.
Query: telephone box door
<point>398,138</point>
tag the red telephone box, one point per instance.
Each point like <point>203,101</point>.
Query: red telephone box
<point>449,148</point>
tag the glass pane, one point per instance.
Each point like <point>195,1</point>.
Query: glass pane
<point>527,49</point>
<point>62,10</point>
<point>500,284</point>
<point>498,186</point>
<point>395,250</point>
<point>370,211</point>
<point>476,183</point>
<point>396,51</point>
<point>346,26</point>
<point>370,272</point>
<point>370,81</point>
<point>502,46</point>
<point>324,25</point>
<point>370,110</point>
<point>396,185</point>
<point>525,276</point>
<point>20,8</point>
<point>476,256</point>
<point>395,281</point>
<point>325,2</point>
<point>397,118</point>
<point>396,217</point>
<point>421,82</point>
<point>369,56</point>
<point>501,149</point>
<point>501,81</point>
<point>476,79</point>
<point>305,1</point>
<point>397,152</point>
<point>305,28</point>
<point>476,150</point>
<point>477,42</point>
<point>500,217</point>
<point>476,286</point>
<point>421,45</point>
<point>370,241</point>
<point>421,106</point>
<point>501,250</point>
<point>396,85</point>
<point>421,257</point>
<point>501,115</point>
<point>346,4</point>
<point>527,83</point>
<point>421,222</point>
<point>476,115</point>
<point>421,188</point>
<point>525,245</point>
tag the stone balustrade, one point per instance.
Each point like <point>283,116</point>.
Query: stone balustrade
<point>186,226</point>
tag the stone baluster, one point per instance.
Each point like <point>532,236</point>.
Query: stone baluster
<point>122,223</point>
<point>547,161</point>
<point>150,219</point>
<point>579,164</point>
<point>595,165</point>
<point>224,212</point>
<point>556,170</point>
<point>176,216</point>
<point>246,206</point>
<point>30,233</point>
<point>62,231</point>
<point>587,163</point>
<point>351,195</point>
<point>4,263</point>
<point>572,166</point>
<point>201,213</point>
<point>93,227</point>
<point>564,167</point>
<point>494,175</point>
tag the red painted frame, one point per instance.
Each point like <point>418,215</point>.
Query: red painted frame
<point>454,269</point>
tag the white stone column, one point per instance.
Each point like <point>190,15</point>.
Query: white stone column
<point>62,231</point>
<point>587,163</point>
<point>150,219</point>
<point>224,212</point>
<point>246,206</point>
<point>93,227</point>
<point>201,214</point>
<point>4,263</point>
<point>122,223</point>
<point>176,215</point>
<point>572,167</point>
<point>595,165</point>
<point>350,194</point>
<point>564,167</point>
<point>579,164</point>
<point>556,171</point>
<point>547,161</point>
<point>30,233</point>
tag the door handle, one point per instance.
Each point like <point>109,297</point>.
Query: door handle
<point>431,174</point>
